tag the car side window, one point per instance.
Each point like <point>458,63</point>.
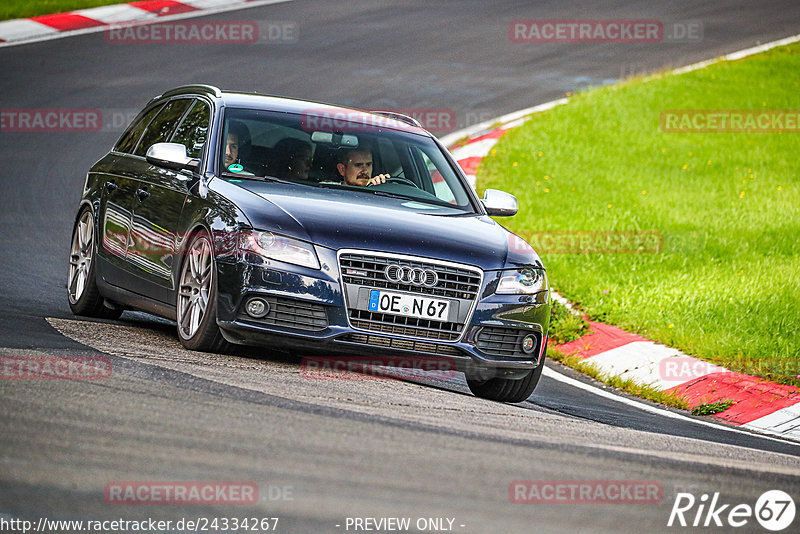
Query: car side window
<point>441,188</point>
<point>128,141</point>
<point>163,125</point>
<point>193,131</point>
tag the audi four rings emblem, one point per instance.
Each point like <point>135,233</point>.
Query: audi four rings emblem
<point>415,276</point>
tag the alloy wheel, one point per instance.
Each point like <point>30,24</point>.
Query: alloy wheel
<point>195,287</point>
<point>80,260</point>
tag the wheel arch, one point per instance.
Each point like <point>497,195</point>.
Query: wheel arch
<point>186,240</point>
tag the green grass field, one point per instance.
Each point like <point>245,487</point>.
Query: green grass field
<point>724,284</point>
<point>15,9</point>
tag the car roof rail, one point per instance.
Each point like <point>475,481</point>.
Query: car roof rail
<point>196,88</point>
<point>402,117</point>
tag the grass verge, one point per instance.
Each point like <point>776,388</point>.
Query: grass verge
<point>723,281</point>
<point>712,408</point>
<point>16,9</point>
<point>565,326</point>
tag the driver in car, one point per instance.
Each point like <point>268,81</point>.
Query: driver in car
<point>238,135</point>
<point>355,168</point>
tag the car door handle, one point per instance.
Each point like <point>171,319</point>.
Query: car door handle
<point>142,194</point>
<point>111,187</point>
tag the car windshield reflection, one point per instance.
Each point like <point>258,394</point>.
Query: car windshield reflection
<point>355,157</point>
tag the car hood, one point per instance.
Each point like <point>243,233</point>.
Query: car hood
<point>346,220</point>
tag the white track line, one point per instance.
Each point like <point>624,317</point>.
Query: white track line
<point>733,56</point>
<point>523,113</point>
<point>451,138</point>
<point>555,375</point>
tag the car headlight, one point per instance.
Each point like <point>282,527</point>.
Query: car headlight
<point>281,248</point>
<point>522,282</point>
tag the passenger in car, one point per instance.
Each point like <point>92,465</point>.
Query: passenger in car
<point>355,168</point>
<point>292,159</point>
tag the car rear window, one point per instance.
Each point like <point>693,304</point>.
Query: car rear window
<point>193,131</point>
<point>129,139</point>
<point>161,127</point>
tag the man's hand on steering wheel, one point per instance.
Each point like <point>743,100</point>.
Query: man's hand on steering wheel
<point>379,179</point>
<point>385,178</point>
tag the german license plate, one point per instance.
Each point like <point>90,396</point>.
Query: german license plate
<point>408,305</point>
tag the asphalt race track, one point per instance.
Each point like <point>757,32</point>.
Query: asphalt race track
<point>321,451</point>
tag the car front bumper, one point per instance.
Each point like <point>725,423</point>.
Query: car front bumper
<point>308,312</point>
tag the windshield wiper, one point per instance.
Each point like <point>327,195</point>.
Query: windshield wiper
<point>360,189</point>
<point>387,194</point>
<point>276,180</point>
<point>437,202</point>
<point>257,178</point>
<point>390,195</point>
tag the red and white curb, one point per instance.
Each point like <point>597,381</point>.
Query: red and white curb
<point>758,404</point>
<point>44,27</point>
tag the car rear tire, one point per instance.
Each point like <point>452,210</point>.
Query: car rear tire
<point>197,298</point>
<point>84,296</point>
<point>506,389</point>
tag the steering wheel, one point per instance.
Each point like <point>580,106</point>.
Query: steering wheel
<point>401,180</point>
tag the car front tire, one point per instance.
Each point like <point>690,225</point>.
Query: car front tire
<point>84,296</point>
<point>506,389</point>
<point>197,298</point>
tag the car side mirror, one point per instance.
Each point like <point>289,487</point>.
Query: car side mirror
<point>499,203</point>
<point>171,156</point>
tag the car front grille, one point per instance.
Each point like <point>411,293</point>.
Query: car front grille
<point>506,342</point>
<point>403,344</point>
<point>454,282</point>
<point>292,313</point>
<point>405,326</point>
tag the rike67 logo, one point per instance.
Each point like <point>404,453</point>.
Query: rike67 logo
<point>774,510</point>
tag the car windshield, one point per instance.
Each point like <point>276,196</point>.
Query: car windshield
<point>317,151</point>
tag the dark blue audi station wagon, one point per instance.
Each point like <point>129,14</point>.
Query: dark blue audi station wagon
<point>267,221</point>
